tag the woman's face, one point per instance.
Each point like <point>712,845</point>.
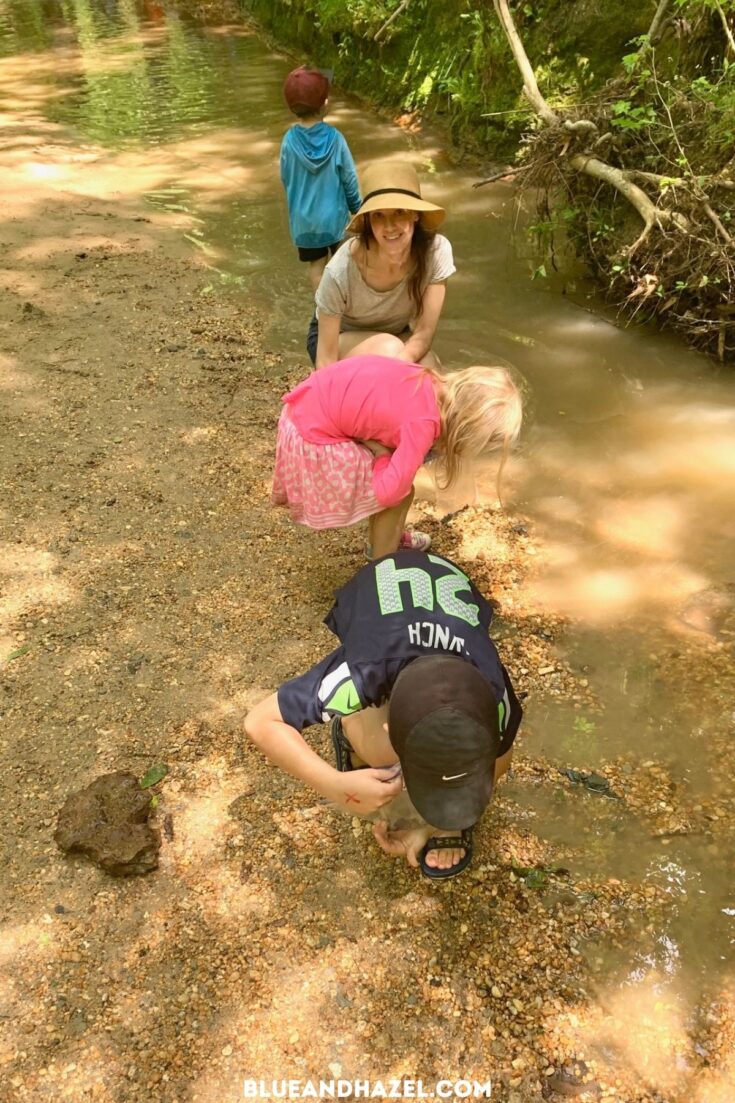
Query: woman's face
<point>393,229</point>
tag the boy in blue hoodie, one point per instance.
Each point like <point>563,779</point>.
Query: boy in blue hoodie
<point>317,171</point>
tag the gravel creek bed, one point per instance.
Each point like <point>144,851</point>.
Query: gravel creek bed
<point>150,596</point>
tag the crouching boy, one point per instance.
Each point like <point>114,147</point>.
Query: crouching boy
<point>418,700</point>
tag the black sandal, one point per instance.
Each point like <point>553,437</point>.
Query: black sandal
<point>343,749</point>
<point>447,842</point>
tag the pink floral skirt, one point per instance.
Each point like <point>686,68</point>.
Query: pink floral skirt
<point>325,486</point>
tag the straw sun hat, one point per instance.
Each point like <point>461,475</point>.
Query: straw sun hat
<point>390,186</point>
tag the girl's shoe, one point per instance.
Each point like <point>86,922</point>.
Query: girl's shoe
<point>415,540</point>
<point>410,541</point>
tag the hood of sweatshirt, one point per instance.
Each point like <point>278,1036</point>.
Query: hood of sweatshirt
<point>312,145</point>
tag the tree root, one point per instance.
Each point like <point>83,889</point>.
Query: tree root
<point>683,254</point>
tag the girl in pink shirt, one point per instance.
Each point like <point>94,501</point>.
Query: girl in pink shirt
<point>352,436</point>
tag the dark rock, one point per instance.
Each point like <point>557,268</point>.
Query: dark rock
<point>78,1023</point>
<point>570,1081</point>
<point>135,662</point>
<point>711,611</point>
<point>108,821</point>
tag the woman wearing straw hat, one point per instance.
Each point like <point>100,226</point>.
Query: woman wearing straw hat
<point>383,290</point>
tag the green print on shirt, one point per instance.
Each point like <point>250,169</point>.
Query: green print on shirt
<point>344,700</point>
<point>388,578</point>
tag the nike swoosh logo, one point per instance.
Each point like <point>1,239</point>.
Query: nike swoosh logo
<point>453,777</point>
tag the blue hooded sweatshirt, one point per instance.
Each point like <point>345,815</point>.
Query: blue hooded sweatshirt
<point>321,185</point>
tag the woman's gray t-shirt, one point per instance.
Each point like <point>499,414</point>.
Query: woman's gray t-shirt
<point>343,291</point>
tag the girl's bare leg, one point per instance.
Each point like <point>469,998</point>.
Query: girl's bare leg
<point>386,527</point>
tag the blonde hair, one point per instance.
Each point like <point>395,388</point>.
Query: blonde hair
<point>481,411</point>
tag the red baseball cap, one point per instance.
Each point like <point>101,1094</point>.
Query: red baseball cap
<point>306,88</point>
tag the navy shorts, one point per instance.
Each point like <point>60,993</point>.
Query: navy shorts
<point>312,339</point>
<point>317,254</point>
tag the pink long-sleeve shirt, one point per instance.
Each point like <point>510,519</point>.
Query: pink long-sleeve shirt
<point>372,398</point>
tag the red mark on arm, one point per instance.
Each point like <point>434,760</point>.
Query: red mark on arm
<point>350,798</point>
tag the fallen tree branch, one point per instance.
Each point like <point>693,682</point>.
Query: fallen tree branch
<point>651,214</point>
<point>581,126</point>
<point>681,182</point>
<point>716,222</point>
<point>401,7</point>
<point>510,171</point>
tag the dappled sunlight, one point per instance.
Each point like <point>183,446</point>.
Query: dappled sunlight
<point>16,560</point>
<point>199,434</point>
<point>12,377</point>
<point>21,940</point>
<point>651,526</point>
<point>32,590</point>
<point>197,854</point>
<point>202,819</point>
<point>658,1048</point>
<point>598,595</point>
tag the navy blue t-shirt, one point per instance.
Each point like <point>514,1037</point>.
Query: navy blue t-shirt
<point>392,611</point>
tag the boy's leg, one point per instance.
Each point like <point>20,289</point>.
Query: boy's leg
<point>366,732</point>
<point>367,735</point>
<point>316,268</point>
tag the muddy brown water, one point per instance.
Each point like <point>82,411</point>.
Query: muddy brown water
<point>626,471</point>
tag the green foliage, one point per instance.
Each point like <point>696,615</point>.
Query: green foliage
<point>628,117</point>
<point>153,775</point>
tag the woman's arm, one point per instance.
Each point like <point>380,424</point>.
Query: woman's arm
<point>419,343</point>
<point>327,349</point>
<point>361,792</point>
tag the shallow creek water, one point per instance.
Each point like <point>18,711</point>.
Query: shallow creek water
<point>626,471</point>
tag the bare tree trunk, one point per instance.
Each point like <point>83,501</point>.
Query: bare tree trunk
<point>726,28</point>
<point>530,86</point>
<point>381,30</point>
<point>649,212</point>
<point>658,23</point>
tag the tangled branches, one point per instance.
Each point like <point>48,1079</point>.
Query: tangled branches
<point>660,231</point>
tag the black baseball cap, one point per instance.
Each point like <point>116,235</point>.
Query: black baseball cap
<point>443,724</point>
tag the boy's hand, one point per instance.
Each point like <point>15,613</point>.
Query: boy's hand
<point>362,792</point>
<point>406,844</point>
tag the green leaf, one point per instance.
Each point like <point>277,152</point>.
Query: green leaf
<point>18,652</point>
<point>153,776</point>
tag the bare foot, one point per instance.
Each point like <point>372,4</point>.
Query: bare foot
<point>409,843</point>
